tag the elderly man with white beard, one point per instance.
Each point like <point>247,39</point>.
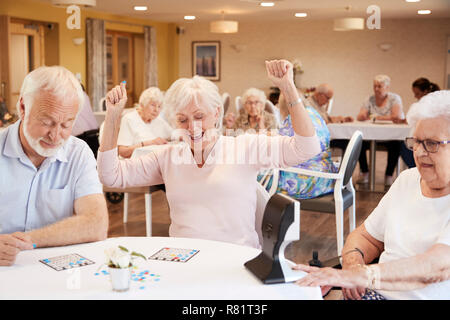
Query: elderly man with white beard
<point>50,193</point>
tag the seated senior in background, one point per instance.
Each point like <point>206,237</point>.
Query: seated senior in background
<point>50,192</point>
<point>253,115</point>
<point>420,87</point>
<point>210,178</point>
<point>144,126</point>
<point>410,228</point>
<point>300,186</point>
<point>320,100</point>
<point>382,105</point>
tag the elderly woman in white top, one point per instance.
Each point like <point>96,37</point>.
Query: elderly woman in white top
<point>143,126</point>
<point>252,115</point>
<point>410,228</point>
<point>382,105</point>
<point>210,179</point>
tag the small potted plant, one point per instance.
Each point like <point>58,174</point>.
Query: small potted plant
<point>119,260</point>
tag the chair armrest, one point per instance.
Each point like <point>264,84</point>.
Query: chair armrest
<point>327,175</point>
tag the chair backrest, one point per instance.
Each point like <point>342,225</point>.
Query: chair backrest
<point>102,105</point>
<point>269,107</point>
<point>226,102</point>
<point>262,197</point>
<point>351,156</point>
<point>329,106</point>
<point>237,104</point>
<point>273,109</point>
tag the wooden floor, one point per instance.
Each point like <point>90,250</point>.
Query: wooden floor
<point>317,230</point>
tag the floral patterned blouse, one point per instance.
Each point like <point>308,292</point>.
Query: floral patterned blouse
<point>307,187</point>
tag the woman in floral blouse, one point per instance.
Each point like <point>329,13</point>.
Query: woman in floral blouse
<point>301,186</point>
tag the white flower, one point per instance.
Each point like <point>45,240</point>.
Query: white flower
<point>297,65</point>
<point>118,257</point>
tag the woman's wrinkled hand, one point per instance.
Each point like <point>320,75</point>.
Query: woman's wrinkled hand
<point>281,73</point>
<point>116,99</point>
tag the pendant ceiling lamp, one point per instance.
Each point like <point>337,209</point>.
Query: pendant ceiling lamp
<point>223,26</point>
<point>85,3</point>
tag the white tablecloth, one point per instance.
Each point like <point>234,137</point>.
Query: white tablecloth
<point>217,272</point>
<point>370,131</point>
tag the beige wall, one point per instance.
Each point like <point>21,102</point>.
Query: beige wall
<point>346,60</point>
<point>74,57</point>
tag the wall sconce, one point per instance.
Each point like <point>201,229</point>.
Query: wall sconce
<point>77,41</point>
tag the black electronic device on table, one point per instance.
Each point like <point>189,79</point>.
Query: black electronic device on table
<point>280,226</point>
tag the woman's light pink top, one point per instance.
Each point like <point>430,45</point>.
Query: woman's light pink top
<point>218,200</point>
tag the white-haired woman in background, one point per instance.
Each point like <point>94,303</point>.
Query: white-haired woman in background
<point>382,105</point>
<point>143,126</point>
<point>253,115</point>
<point>410,228</point>
<point>210,178</point>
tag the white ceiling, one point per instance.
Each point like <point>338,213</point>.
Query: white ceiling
<point>250,10</point>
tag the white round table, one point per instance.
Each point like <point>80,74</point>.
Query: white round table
<point>216,272</point>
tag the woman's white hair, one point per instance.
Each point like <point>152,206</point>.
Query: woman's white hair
<point>384,79</point>
<point>433,105</point>
<point>56,80</point>
<point>253,92</point>
<point>152,94</point>
<point>185,90</point>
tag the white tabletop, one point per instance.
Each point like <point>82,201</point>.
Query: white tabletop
<point>370,130</point>
<point>216,272</point>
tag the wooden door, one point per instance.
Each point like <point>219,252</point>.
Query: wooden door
<point>26,51</point>
<point>120,62</point>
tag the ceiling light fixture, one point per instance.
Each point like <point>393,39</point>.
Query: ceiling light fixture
<point>424,11</point>
<point>223,26</point>
<point>189,17</point>
<point>85,3</point>
<point>412,0</point>
<point>140,8</point>
<point>267,4</point>
<point>301,14</point>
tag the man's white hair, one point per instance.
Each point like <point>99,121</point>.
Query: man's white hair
<point>56,80</point>
<point>185,90</point>
<point>149,95</point>
<point>384,79</point>
<point>433,105</point>
<point>253,92</point>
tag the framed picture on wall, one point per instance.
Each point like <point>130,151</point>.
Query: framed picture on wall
<point>206,59</point>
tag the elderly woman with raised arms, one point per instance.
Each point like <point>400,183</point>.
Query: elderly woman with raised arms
<point>409,230</point>
<point>210,179</point>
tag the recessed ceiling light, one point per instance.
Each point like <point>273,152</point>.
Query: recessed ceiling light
<point>267,4</point>
<point>140,8</point>
<point>412,0</point>
<point>424,11</point>
<point>301,14</point>
<point>189,17</point>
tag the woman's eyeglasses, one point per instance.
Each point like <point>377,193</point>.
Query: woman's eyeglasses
<point>431,146</point>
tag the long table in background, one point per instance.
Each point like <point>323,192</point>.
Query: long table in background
<point>373,132</point>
